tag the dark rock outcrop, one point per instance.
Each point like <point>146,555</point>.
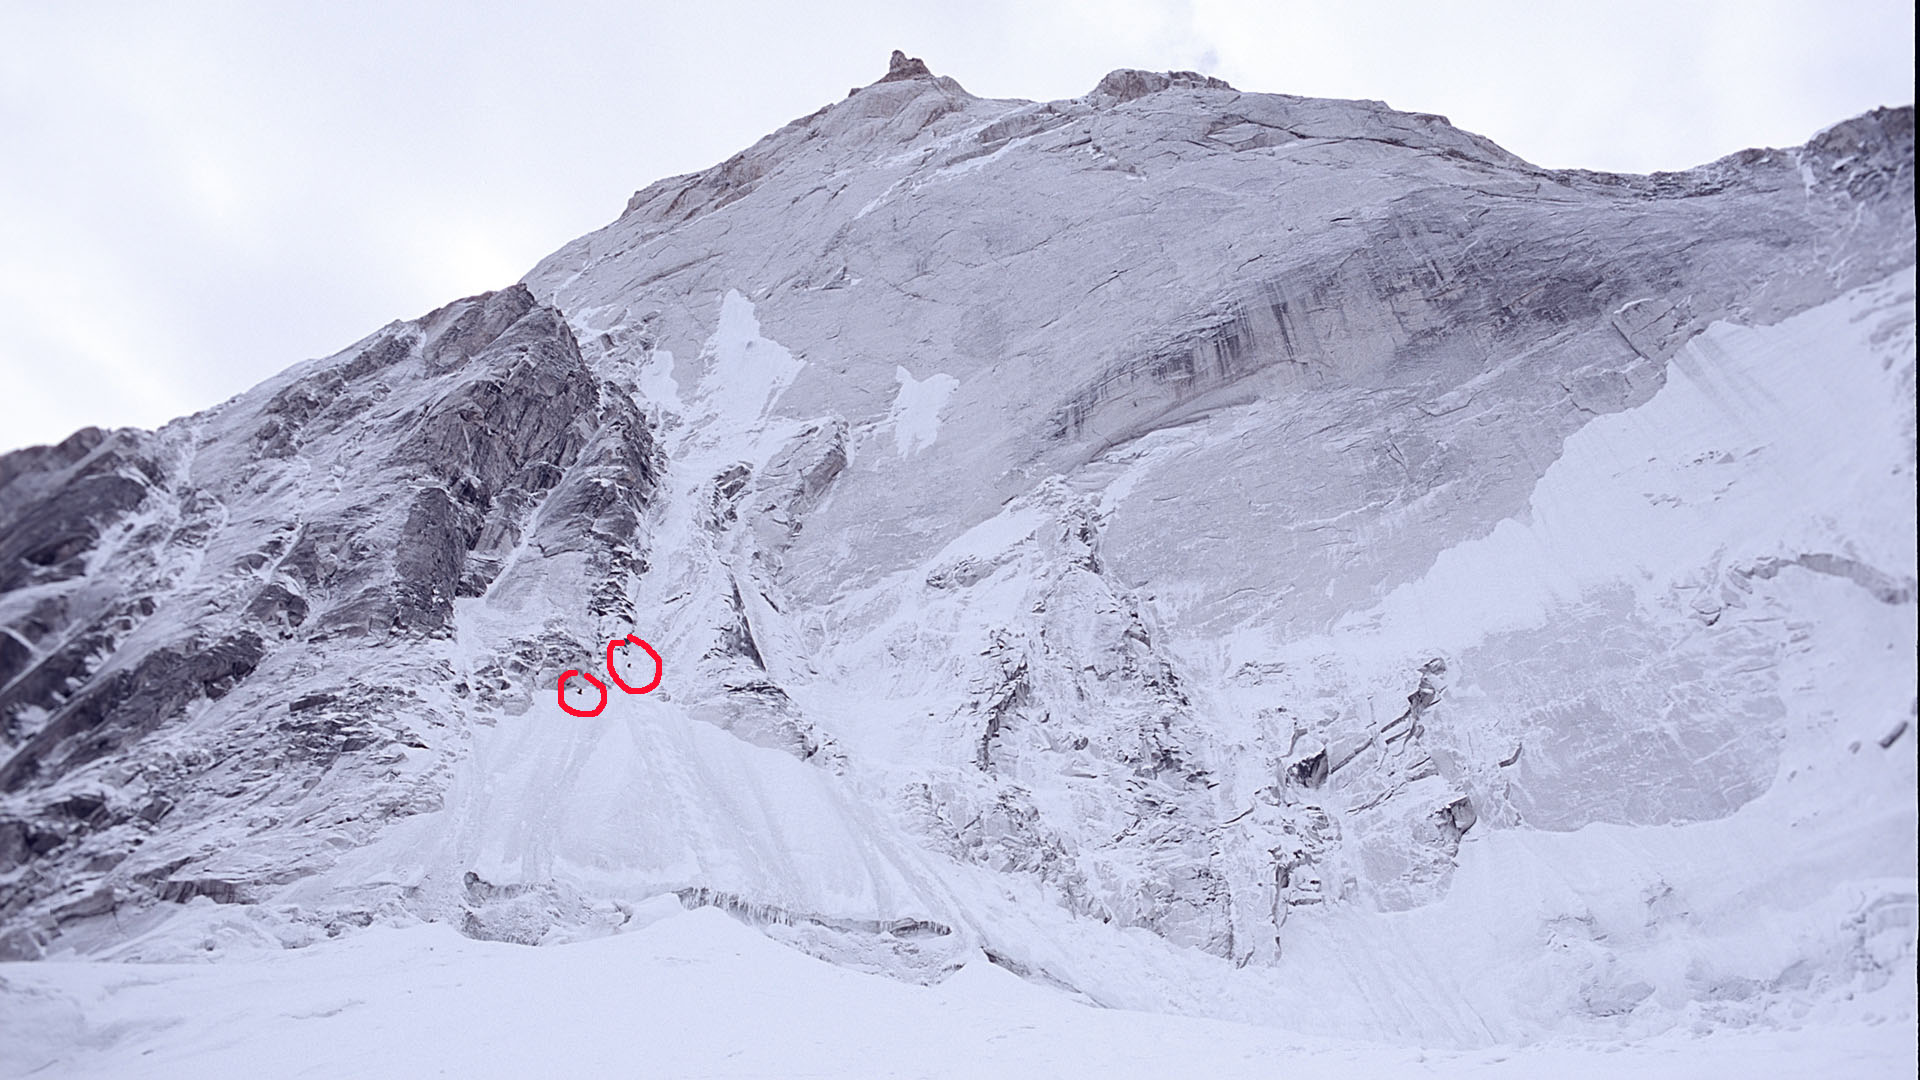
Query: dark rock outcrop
<point>1127,84</point>
<point>901,66</point>
<point>237,549</point>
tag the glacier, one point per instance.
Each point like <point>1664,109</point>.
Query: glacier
<point>1172,580</point>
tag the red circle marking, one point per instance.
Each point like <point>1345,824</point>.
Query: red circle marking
<point>659,669</point>
<point>598,685</point>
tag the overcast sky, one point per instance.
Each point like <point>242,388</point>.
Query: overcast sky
<point>195,195</point>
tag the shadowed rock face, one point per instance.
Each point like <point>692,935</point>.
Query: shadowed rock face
<point>1094,495</point>
<point>155,578</point>
<point>114,712</point>
<point>60,499</point>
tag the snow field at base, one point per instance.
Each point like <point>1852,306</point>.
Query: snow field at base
<point>694,994</point>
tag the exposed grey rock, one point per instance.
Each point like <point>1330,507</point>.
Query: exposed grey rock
<point>353,500</point>
<point>1126,84</point>
<point>116,711</point>
<point>901,66</point>
<point>59,500</point>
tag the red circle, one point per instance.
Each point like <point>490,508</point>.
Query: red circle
<point>659,669</point>
<point>598,685</point>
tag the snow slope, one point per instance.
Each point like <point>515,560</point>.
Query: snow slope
<point>696,995</point>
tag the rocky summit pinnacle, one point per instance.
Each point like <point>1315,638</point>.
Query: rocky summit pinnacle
<point>901,66</point>
<point>1279,558</point>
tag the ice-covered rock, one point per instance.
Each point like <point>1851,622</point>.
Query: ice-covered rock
<point>1222,552</point>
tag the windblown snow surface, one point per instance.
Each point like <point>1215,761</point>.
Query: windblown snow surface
<point>696,994</point>
<point>1430,668</point>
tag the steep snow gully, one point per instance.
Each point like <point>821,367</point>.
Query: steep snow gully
<point>1174,580</point>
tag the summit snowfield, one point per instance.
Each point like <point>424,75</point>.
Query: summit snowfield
<point>1284,567</point>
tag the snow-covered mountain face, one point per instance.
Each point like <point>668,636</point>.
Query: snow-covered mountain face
<point>1218,552</point>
